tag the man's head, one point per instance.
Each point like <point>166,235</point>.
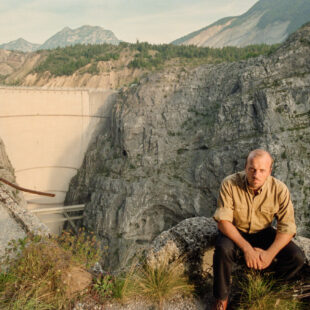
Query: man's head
<point>257,168</point>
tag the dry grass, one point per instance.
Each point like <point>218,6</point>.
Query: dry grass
<point>157,281</point>
<point>36,278</point>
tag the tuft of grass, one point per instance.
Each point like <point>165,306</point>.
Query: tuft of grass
<point>262,292</point>
<point>157,281</point>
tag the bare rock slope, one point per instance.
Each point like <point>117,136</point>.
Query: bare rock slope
<point>268,21</point>
<point>173,137</point>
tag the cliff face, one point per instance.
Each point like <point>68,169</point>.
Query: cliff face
<point>17,69</point>
<point>6,169</point>
<point>177,134</point>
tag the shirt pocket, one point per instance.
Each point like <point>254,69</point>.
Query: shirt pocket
<point>241,213</point>
<point>267,214</point>
<point>269,210</point>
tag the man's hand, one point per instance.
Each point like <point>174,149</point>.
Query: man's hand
<point>252,258</point>
<point>255,257</point>
<point>252,255</point>
<point>265,258</point>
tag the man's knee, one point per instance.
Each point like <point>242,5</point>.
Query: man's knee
<point>293,253</point>
<point>224,247</point>
<point>291,259</point>
<point>298,257</point>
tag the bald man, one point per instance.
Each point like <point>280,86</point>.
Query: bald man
<point>247,205</point>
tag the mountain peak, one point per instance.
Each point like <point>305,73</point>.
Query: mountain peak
<point>267,21</point>
<point>66,29</point>
<point>85,34</point>
<point>20,45</point>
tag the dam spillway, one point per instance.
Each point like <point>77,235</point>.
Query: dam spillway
<point>46,133</point>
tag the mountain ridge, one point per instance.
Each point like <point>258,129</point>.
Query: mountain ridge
<point>266,22</point>
<point>85,34</point>
<point>20,45</point>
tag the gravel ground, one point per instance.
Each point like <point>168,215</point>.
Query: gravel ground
<point>175,304</point>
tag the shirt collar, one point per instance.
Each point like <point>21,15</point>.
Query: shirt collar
<point>246,185</point>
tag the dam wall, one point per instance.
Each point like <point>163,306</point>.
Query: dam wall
<point>46,133</point>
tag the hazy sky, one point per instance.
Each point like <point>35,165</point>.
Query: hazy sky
<point>155,21</point>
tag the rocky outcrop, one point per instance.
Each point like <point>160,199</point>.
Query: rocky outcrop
<point>6,169</point>
<point>177,134</point>
<point>9,229</point>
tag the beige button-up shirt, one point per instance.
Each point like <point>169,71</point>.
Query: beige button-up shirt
<point>251,213</point>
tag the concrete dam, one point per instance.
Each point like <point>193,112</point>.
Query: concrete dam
<point>46,133</point>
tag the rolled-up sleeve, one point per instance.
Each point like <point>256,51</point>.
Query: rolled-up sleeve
<point>225,206</point>
<point>285,215</point>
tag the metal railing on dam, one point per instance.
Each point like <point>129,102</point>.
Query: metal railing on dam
<point>46,133</point>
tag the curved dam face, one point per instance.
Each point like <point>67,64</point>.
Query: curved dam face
<point>46,133</point>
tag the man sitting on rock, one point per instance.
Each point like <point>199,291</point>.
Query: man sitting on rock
<point>247,204</point>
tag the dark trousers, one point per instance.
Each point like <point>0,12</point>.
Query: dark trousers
<point>286,264</point>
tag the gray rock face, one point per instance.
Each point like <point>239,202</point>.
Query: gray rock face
<point>6,169</point>
<point>9,228</point>
<point>177,134</point>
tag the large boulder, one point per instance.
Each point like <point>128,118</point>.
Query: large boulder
<point>193,241</point>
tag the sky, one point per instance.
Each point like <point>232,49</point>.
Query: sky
<point>154,21</point>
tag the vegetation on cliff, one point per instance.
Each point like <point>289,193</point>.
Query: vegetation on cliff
<point>66,61</point>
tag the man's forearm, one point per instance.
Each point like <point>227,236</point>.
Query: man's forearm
<point>281,240</point>
<point>229,230</point>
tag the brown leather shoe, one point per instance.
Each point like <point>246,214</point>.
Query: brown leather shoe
<point>220,304</point>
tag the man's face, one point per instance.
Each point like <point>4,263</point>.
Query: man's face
<point>257,170</point>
